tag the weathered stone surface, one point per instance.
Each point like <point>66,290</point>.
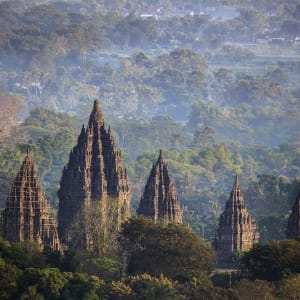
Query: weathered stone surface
<point>94,171</point>
<point>293,225</point>
<point>26,216</point>
<point>159,201</point>
<point>237,228</point>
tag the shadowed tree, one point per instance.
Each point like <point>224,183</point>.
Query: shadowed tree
<point>170,249</point>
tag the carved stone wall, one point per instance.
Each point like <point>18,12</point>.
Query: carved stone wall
<point>293,225</point>
<point>94,171</point>
<point>27,216</point>
<point>237,228</point>
<point>160,201</point>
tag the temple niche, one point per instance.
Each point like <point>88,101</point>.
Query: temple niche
<point>27,215</point>
<point>237,228</point>
<point>159,201</point>
<point>94,172</point>
<point>293,225</point>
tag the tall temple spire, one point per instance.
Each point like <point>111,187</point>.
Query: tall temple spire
<point>95,170</point>
<point>27,215</point>
<point>293,225</point>
<point>237,228</point>
<point>236,197</point>
<point>159,201</point>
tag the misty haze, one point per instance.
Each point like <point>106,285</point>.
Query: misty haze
<point>149,149</point>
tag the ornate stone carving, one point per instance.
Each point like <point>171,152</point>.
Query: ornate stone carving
<point>27,216</point>
<point>159,200</point>
<point>237,228</point>
<point>94,171</point>
<point>293,225</point>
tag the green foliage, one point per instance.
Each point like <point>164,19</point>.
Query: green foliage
<point>282,192</point>
<point>145,286</point>
<point>8,277</point>
<point>272,227</point>
<point>289,288</point>
<point>48,282</point>
<point>168,249</point>
<point>23,255</point>
<point>134,136</point>
<point>274,260</point>
<point>257,289</point>
<point>102,267</point>
<point>225,280</point>
<point>47,121</point>
<point>95,228</point>
<point>81,286</point>
<point>119,290</point>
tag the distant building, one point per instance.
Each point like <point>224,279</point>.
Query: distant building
<point>27,215</point>
<point>160,201</point>
<point>94,172</point>
<point>149,16</point>
<point>237,228</point>
<point>293,225</point>
<point>277,41</point>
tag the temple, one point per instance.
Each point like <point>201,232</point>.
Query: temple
<point>27,215</point>
<point>293,225</point>
<point>159,201</point>
<point>94,173</point>
<point>237,228</point>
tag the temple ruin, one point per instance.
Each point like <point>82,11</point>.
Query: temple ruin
<point>27,215</point>
<point>94,172</point>
<point>159,201</point>
<point>237,228</point>
<point>293,225</point>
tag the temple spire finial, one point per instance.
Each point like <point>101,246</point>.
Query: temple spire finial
<point>236,185</point>
<point>28,156</point>
<point>97,105</point>
<point>96,115</point>
<point>160,157</point>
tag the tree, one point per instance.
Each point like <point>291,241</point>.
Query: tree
<point>11,108</point>
<point>81,286</point>
<point>170,249</point>
<point>9,274</point>
<point>204,136</point>
<point>258,289</point>
<point>119,291</point>
<point>274,260</point>
<point>289,288</point>
<point>145,286</point>
<point>95,229</point>
<point>48,282</point>
<point>31,293</point>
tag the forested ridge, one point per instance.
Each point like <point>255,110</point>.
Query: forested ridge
<point>215,84</point>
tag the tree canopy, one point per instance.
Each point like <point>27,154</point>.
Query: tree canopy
<point>170,249</point>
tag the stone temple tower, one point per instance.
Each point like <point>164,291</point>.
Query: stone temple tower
<point>94,173</point>
<point>293,226</point>
<point>159,201</point>
<point>27,216</point>
<point>237,228</point>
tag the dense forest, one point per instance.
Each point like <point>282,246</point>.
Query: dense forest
<point>213,83</point>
